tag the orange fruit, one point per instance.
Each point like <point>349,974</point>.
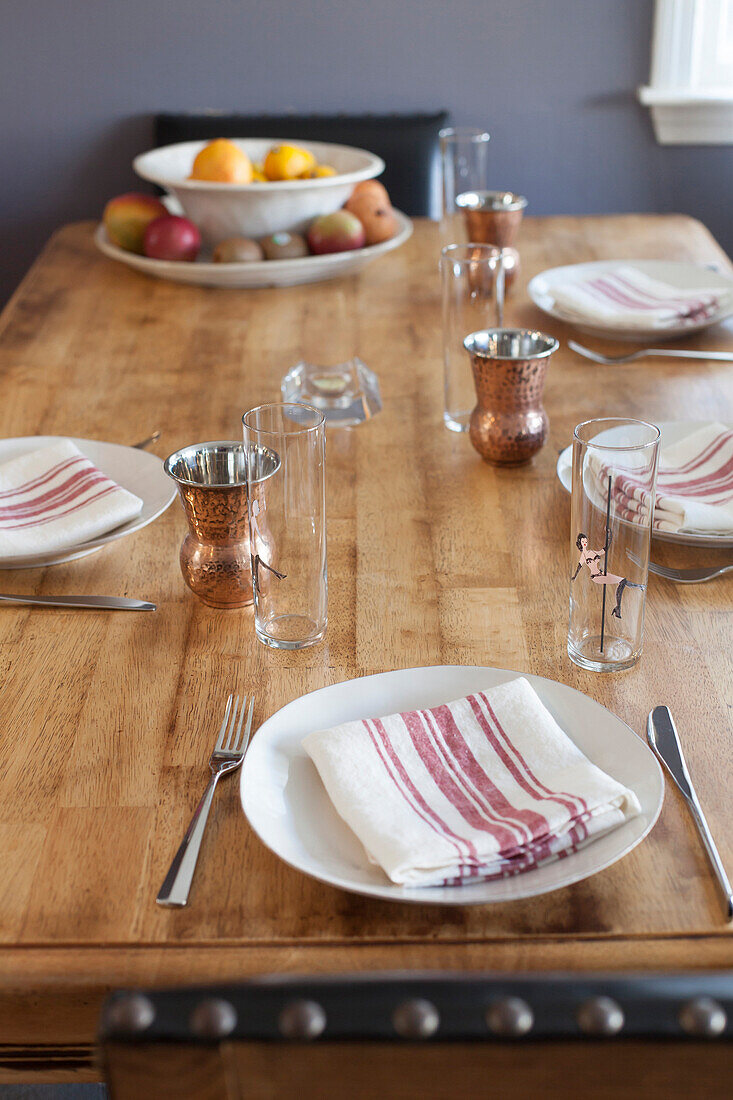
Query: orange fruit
<point>221,161</point>
<point>258,174</point>
<point>288,162</point>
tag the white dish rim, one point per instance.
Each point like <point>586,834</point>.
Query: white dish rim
<point>375,167</point>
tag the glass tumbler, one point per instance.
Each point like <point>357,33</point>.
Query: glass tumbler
<point>614,477</point>
<point>287,523</point>
<point>464,157</point>
<point>472,277</point>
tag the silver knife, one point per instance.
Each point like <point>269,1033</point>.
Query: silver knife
<point>110,603</point>
<point>664,740</point>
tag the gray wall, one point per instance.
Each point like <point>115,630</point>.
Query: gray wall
<point>553,80</point>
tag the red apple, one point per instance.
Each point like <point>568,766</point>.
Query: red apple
<point>127,217</point>
<point>172,238</point>
<point>339,232</point>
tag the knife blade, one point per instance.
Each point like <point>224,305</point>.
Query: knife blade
<point>663,738</point>
<point>109,603</point>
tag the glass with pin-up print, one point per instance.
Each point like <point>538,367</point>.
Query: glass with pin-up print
<point>612,512</point>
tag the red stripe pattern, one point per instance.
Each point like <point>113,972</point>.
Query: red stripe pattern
<point>626,296</point>
<point>480,788</point>
<point>56,497</point>
<point>694,489</point>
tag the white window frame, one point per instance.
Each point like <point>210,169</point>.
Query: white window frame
<point>688,108</point>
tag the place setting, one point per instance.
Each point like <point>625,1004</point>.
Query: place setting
<point>62,499</point>
<point>445,785</point>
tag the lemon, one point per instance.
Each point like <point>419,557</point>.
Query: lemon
<point>288,162</point>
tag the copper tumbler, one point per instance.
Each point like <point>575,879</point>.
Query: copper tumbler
<point>492,217</point>
<point>509,423</point>
<point>215,554</point>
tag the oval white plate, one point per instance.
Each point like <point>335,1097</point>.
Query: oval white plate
<point>287,805</point>
<point>137,471</point>
<point>309,269</point>
<point>686,276</point>
<point>670,433</point>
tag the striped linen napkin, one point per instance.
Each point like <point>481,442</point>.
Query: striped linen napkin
<point>54,498</point>
<point>694,485</point>
<point>480,788</point>
<point>628,298</point>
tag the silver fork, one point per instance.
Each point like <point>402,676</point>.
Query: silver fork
<point>671,353</point>
<point>228,754</point>
<point>688,576</point>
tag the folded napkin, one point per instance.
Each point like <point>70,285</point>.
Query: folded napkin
<point>477,789</point>
<point>54,498</point>
<point>694,485</point>
<point>629,298</point>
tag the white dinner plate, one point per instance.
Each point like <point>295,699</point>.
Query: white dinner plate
<point>685,276</point>
<point>137,471</point>
<point>261,273</point>
<point>670,433</point>
<point>287,805</point>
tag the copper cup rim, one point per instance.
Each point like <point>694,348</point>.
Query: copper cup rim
<point>184,453</point>
<point>548,345</point>
<point>491,202</point>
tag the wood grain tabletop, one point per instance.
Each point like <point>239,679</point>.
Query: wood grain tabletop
<point>434,558</point>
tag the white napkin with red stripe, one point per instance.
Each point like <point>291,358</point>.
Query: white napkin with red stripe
<point>694,485</point>
<point>629,298</point>
<point>480,788</point>
<point>54,498</point>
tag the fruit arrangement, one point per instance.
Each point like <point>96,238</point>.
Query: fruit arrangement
<point>141,223</point>
<point>222,161</point>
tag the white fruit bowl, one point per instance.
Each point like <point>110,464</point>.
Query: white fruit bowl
<point>222,210</point>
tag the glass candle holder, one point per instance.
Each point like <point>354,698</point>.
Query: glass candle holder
<point>614,478</point>
<point>472,278</point>
<point>287,524</point>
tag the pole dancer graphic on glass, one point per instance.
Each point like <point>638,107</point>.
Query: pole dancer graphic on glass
<point>614,473</point>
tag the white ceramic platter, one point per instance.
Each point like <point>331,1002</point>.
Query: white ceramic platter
<point>685,276</point>
<point>137,471</point>
<point>670,433</point>
<point>287,805</point>
<point>309,269</point>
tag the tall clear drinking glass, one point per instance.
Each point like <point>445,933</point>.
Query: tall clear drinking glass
<point>614,478</point>
<point>464,155</point>
<point>287,517</point>
<point>472,279</point>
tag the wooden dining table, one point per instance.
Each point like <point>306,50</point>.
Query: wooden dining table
<point>434,557</point>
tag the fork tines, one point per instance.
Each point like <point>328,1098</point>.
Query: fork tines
<point>230,740</point>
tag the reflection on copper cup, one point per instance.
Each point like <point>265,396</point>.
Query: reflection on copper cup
<point>492,217</point>
<point>215,554</point>
<point>509,423</point>
<point>482,278</point>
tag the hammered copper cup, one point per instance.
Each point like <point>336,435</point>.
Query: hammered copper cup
<point>492,217</point>
<point>509,424</point>
<point>215,554</point>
